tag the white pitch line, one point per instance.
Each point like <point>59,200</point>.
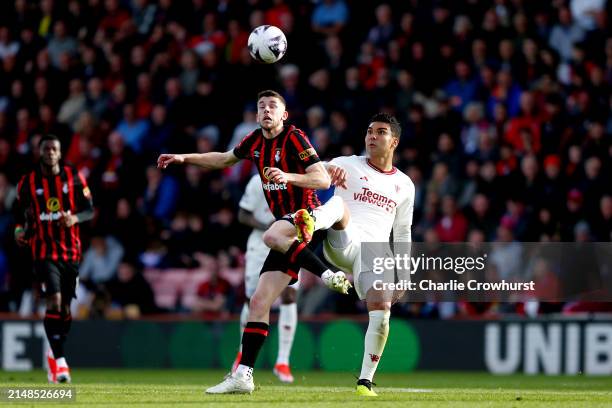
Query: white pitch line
<point>298,388</point>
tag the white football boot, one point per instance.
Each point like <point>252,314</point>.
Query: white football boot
<point>233,384</point>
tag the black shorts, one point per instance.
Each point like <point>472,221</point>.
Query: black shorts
<point>57,277</point>
<point>276,261</point>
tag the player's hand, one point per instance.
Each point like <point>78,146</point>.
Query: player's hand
<point>337,175</point>
<point>165,159</point>
<point>20,237</point>
<point>67,220</point>
<point>276,175</point>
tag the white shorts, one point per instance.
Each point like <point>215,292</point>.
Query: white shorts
<point>254,260</point>
<point>342,248</point>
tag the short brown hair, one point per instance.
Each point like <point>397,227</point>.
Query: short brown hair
<point>271,93</point>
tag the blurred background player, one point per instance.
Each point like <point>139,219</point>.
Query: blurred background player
<point>255,213</point>
<point>370,191</point>
<point>52,200</point>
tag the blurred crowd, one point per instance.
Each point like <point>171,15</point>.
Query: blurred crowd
<point>505,107</point>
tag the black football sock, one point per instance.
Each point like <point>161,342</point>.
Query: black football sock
<point>67,323</point>
<point>54,326</point>
<point>253,338</point>
<point>299,254</point>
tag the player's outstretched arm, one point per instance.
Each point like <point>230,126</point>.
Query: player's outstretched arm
<point>316,177</point>
<point>211,160</point>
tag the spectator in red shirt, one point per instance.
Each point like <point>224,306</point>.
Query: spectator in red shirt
<point>453,226</point>
<point>213,296</point>
<point>524,131</point>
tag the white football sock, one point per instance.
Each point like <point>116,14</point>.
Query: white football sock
<point>329,213</point>
<point>61,362</point>
<point>287,323</point>
<point>374,344</point>
<point>244,315</point>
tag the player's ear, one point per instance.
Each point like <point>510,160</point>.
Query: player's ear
<point>285,114</point>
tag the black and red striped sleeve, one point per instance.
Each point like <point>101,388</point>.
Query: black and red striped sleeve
<point>301,148</point>
<point>244,149</point>
<point>84,201</point>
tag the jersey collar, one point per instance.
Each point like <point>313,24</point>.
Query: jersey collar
<point>392,171</point>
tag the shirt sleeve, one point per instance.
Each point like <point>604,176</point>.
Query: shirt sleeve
<point>242,150</point>
<point>84,201</point>
<point>402,224</point>
<point>302,149</point>
<point>250,197</point>
<point>338,161</point>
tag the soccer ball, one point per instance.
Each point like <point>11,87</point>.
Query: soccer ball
<point>267,44</point>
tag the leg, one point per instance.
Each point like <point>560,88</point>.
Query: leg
<point>244,317</point>
<point>287,323</point>
<point>62,370</point>
<point>278,237</point>
<point>374,344</point>
<point>49,274</point>
<point>244,314</point>
<point>54,324</point>
<point>66,318</point>
<point>254,259</point>
<point>269,287</point>
<point>68,283</point>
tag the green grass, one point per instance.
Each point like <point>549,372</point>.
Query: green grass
<point>169,388</point>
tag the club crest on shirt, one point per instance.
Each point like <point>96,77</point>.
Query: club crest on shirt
<point>277,155</point>
<point>53,204</point>
<point>256,154</point>
<point>65,188</point>
<point>39,191</point>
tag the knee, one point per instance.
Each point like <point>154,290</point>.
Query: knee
<point>258,306</point>
<point>279,237</point>
<point>274,238</point>
<point>270,239</point>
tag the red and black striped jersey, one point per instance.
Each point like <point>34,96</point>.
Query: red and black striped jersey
<point>40,202</point>
<point>291,152</point>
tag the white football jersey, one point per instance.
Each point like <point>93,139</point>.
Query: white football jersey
<point>254,201</point>
<point>378,200</point>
